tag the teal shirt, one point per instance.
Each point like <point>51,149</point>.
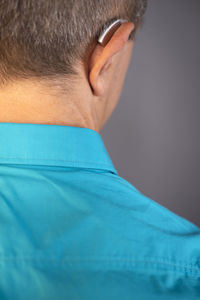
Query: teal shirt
<point>72,229</point>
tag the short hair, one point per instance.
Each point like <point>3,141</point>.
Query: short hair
<point>45,39</point>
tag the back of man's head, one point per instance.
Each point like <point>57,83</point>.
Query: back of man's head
<point>45,39</point>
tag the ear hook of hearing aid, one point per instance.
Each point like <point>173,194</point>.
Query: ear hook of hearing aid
<point>109,31</point>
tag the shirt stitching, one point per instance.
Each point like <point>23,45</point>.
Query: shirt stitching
<point>154,260</point>
<point>55,159</point>
<point>186,266</point>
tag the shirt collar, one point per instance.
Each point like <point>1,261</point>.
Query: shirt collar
<point>54,145</point>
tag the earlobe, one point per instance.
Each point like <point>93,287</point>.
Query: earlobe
<point>99,87</point>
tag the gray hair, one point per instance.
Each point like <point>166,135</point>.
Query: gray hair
<point>45,40</point>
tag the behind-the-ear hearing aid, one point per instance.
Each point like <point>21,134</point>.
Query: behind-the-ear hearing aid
<point>109,31</point>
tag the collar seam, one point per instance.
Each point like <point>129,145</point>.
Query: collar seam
<point>52,159</point>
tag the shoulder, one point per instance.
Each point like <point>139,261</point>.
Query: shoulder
<point>155,213</point>
<point>145,228</point>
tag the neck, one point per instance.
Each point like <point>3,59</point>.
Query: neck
<point>29,103</point>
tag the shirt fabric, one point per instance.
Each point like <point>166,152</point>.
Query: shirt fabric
<point>71,228</point>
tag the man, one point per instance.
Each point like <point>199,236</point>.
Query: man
<point>70,226</point>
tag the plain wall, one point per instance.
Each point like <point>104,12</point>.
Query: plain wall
<point>153,134</point>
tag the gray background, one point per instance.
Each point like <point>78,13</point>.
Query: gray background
<point>153,134</point>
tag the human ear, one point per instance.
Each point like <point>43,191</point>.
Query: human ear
<point>101,57</point>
